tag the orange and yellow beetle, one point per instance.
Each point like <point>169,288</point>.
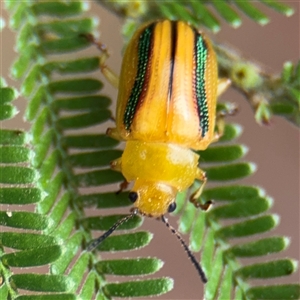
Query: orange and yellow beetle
<point>166,109</point>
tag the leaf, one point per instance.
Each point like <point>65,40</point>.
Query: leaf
<point>21,175</point>
<point>25,220</point>
<point>82,103</point>
<point>139,288</point>
<point>22,241</point>
<point>14,154</point>
<point>230,172</point>
<point>241,209</point>
<point>42,283</point>
<point>278,6</point>
<point>105,200</point>
<point>106,222</point>
<point>17,195</point>
<point>268,269</point>
<point>89,141</point>
<point>249,227</point>
<point>129,267</point>
<point>58,9</point>
<point>261,247</point>
<point>88,288</point>
<point>12,137</point>
<point>7,110</point>
<point>126,242</point>
<point>222,153</point>
<point>227,13</point>
<point>30,258</point>
<point>252,12</point>
<point>291,291</point>
<point>78,269</point>
<point>94,159</point>
<point>98,177</point>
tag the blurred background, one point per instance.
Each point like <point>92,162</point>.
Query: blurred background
<point>273,148</point>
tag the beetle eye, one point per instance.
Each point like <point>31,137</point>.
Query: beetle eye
<point>172,207</point>
<point>133,196</point>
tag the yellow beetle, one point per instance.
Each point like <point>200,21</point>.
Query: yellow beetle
<point>166,108</point>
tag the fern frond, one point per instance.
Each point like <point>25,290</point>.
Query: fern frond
<point>61,103</point>
<point>195,12</point>
<point>247,209</point>
<point>63,163</point>
<point>18,187</point>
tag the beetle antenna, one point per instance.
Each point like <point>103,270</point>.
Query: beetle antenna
<point>101,238</point>
<point>187,250</point>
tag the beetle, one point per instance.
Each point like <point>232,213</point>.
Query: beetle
<point>166,109</point>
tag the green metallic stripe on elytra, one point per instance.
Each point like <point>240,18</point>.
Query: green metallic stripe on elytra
<point>201,53</point>
<point>144,49</point>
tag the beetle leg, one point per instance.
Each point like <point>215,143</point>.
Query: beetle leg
<point>116,164</point>
<point>123,186</point>
<point>106,71</point>
<point>194,197</point>
<point>113,133</point>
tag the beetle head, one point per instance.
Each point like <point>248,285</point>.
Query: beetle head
<point>153,199</point>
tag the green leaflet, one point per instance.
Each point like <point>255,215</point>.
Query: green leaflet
<point>105,222</point>
<point>34,257</point>
<point>139,288</point>
<point>43,283</point>
<point>79,267</point>
<point>227,13</point>
<point>262,247</point>
<point>281,291</point>
<point>25,241</point>
<point>252,12</point>
<point>89,141</point>
<point>125,242</point>
<point>17,195</point>
<point>70,248</point>
<point>105,200</point>
<point>13,137</point>
<point>87,290</point>
<point>14,154</point>
<point>7,109</point>
<point>129,267</point>
<point>270,269</point>
<point>25,220</point>
<point>222,153</point>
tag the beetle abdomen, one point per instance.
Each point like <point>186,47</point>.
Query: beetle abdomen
<point>168,85</point>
